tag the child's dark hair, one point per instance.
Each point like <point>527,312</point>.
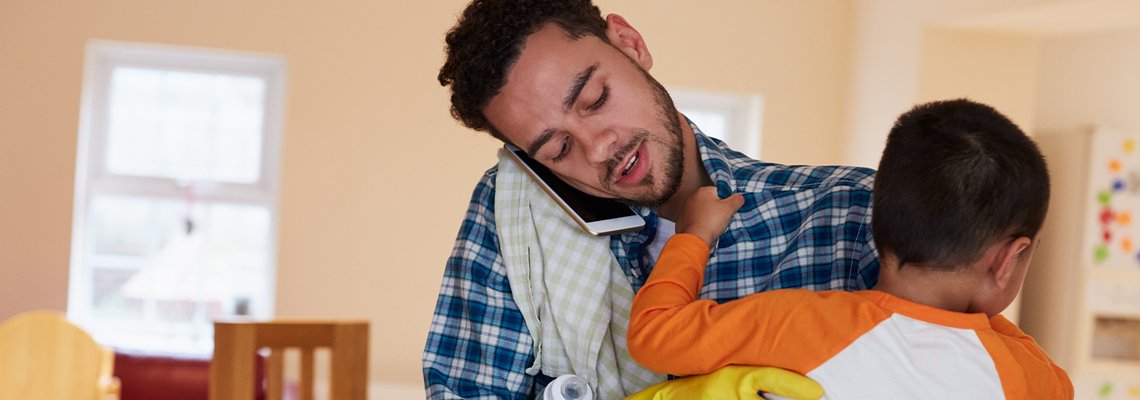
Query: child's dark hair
<point>487,40</point>
<point>956,177</point>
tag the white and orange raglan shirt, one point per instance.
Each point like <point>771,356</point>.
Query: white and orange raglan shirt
<point>857,345</point>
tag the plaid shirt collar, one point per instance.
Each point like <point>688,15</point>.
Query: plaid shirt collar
<point>624,245</point>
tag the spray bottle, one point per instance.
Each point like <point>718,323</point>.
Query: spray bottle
<point>568,387</point>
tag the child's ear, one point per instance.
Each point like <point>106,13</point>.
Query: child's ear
<point>622,35</point>
<point>1009,259</point>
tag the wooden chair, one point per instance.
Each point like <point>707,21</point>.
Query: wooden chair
<point>45,357</point>
<point>236,343</point>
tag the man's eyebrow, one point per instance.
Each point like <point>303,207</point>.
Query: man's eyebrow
<point>571,97</point>
<point>576,88</point>
<point>537,144</point>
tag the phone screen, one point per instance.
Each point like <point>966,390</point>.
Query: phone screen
<point>590,208</point>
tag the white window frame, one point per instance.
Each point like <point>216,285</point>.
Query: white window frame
<point>93,178</point>
<point>743,112</point>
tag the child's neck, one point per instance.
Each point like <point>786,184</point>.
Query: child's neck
<point>947,290</point>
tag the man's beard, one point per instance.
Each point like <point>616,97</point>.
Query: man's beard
<point>673,143</point>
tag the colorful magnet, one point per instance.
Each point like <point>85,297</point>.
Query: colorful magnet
<point>1117,185</point>
<point>1105,389</point>
<point>1114,166</point>
<point>1100,253</point>
<point>1106,216</point>
<point>1124,218</point>
<point>1126,243</point>
<point>1129,145</point>
<point>1104,197</point>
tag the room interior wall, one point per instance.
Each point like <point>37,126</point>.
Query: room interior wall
<point>1085,80</point>
<point>1090,79</point>
<point>996,68</point>
<point>375,174</point>
<point>887,60</point>
<point>795,55</point>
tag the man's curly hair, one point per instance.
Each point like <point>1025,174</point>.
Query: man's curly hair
<point>486,41</point>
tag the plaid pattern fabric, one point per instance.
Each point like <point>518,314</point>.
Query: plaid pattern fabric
<point>800,226</point>
<point>571,291</point>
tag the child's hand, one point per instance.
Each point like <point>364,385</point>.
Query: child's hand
<point>706,215</point>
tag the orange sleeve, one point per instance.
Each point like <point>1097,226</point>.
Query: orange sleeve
<point>672,331</point>
<point>1026,371</point>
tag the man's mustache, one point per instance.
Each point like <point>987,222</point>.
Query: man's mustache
<point>620,155</point>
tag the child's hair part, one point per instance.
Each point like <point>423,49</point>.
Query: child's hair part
<point>956,176</point>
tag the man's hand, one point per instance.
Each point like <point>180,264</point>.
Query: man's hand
<point>735,382</point>
<point>706,215</point>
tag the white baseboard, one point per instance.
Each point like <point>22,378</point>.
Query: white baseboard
<point>378,391</point>
<point>395,391</point>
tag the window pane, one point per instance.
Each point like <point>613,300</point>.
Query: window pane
<point>108,301</point>
<point>712,123</point>
<point>133,226</point>
<point>140,251</point>
<point>185,125</point>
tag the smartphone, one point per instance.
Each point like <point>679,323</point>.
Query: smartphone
<point>594,214</point>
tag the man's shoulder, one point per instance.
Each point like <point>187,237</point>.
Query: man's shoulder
<point>481,208</point>
<point>754,175</point>
<point>489,175</point>
<point>485,187</point>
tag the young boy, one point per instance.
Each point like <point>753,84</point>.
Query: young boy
<point>959,198</point>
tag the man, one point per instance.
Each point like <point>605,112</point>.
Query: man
<point>572,88</point>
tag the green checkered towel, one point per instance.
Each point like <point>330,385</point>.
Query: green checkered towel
<point>573,294</point>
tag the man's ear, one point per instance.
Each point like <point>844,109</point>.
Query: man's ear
<point>1004,268</point>
<point>628,40</point>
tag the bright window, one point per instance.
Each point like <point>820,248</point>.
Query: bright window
<point>734,119</point>
<point>176,193</point>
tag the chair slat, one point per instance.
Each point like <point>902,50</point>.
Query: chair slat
<point>276,374</point>
<point>307,373</point>
<point>235,343</point>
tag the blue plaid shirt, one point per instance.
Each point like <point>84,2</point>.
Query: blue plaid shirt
<point>800,227</point>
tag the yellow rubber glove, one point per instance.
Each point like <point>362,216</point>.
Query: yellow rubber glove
<point>734,382</point>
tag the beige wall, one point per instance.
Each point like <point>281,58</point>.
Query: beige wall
<point>889,51</point>
<point>1085,80</point>
<point>375,175</point>
<point>1090,79</point>
<point>888,47</point>
<point>793,53</point>
<point>996,68</point>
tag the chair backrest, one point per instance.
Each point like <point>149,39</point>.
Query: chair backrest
<point>167,376</point>
<point>45,357</point>
<point>236,344</point>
